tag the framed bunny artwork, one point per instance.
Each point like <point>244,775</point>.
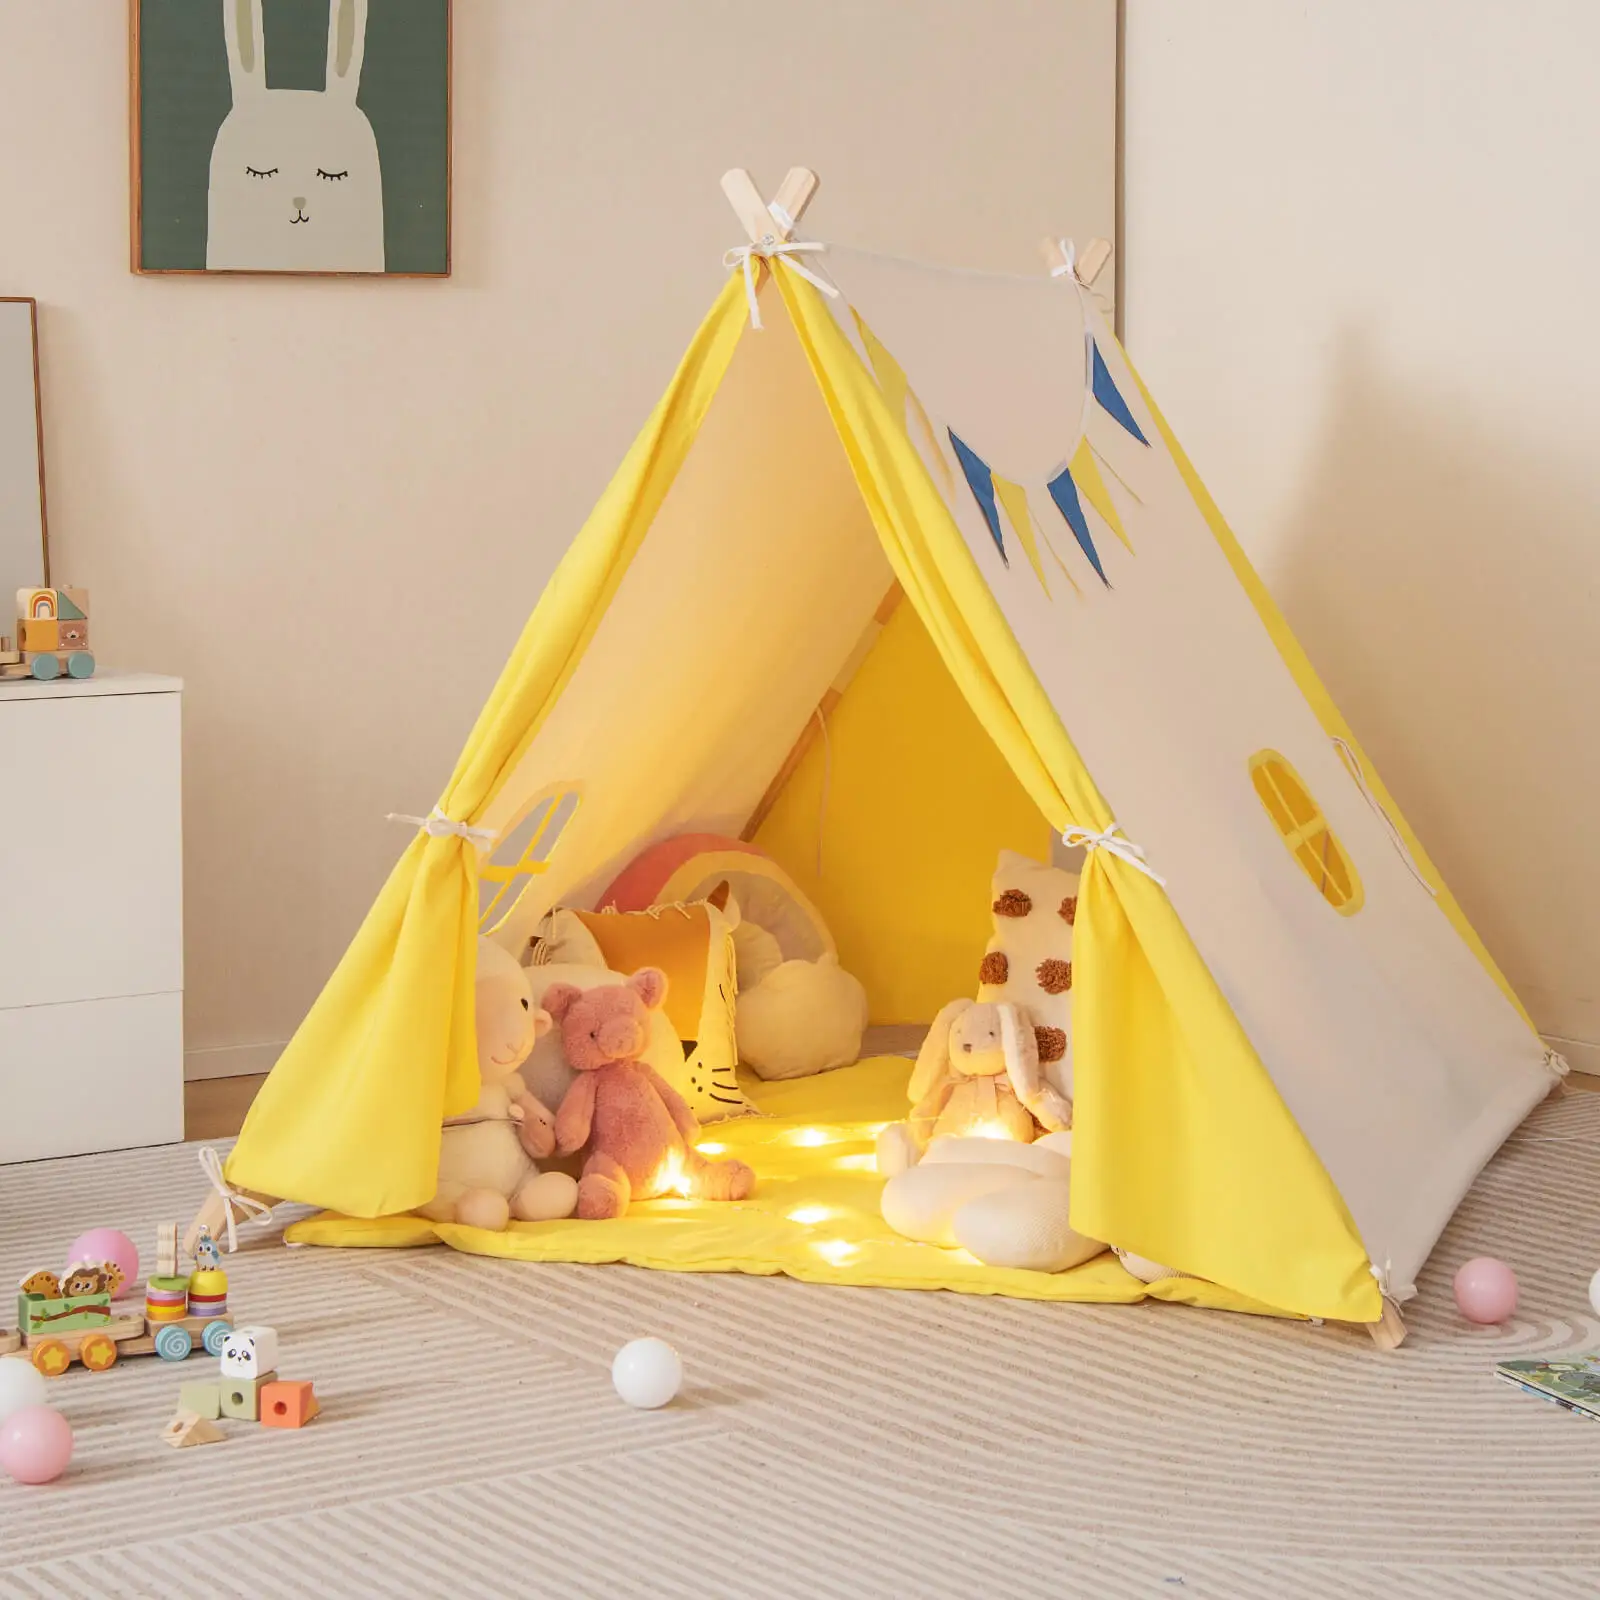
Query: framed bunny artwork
<point>291,136</point>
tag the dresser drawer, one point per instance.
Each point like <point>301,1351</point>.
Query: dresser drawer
<point>91,855</point>
<point>93,1075</point>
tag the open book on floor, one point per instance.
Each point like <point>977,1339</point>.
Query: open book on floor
<point>1574,1384</point>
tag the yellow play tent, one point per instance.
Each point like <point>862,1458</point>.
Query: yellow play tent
<point>1292,1053</point>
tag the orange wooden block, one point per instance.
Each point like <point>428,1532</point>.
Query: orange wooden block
<point>287,1404</point>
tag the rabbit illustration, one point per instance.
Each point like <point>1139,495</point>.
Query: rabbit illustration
<point>295,182</point>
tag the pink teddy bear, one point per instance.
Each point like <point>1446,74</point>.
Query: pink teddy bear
<point>640,1132</point>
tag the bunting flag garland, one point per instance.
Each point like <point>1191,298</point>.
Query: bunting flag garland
<point>1065,494</point>
<point>1013,497</point>
<point>1086,475</point>
<point>981,481</point>
<point>902,400</point>
<point>1105,391</point>
<point>1080,480</point>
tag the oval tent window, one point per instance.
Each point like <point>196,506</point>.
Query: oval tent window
<point>1305,831</point>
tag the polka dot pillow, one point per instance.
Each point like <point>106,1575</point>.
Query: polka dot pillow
<point>1029,957</point>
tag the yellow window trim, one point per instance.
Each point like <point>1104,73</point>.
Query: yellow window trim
<point>1315,847</point>
<point>532,862</point>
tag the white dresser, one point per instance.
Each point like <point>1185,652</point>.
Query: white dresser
<point>91,915</point>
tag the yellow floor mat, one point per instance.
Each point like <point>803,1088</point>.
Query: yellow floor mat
<point>814,1214</point>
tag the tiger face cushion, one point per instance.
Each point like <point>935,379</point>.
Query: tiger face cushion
<point>1028,961</point>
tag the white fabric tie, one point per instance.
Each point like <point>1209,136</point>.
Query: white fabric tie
<point>769,249</point>
<point>1114,842</point>
<point>211,1165</point>
<point>1069,264</point>
<point>438,826</point>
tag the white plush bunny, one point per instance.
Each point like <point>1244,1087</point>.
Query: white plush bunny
<point>295,182</point>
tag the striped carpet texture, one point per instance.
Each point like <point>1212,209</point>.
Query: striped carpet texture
<point>830,1442</point>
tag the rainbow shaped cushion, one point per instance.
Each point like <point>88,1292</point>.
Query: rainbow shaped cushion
<point>688,867</point>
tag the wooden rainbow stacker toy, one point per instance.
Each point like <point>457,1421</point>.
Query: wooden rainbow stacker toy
<point>65,1319</point>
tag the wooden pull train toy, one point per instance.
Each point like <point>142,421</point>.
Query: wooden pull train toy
<point>52,636</point>
<point>70,1317</point>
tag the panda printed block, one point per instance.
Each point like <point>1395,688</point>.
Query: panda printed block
<point>250,1352</point>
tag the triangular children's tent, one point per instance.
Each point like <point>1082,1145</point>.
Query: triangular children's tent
<point>1293,1055</point>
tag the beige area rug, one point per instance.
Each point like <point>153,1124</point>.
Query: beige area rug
<point>830,1442</point>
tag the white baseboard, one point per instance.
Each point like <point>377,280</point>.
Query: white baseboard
<point>1583,1055</point>
<point>235,1060</point>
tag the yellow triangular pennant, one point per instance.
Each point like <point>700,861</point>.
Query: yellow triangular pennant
<point>1086,475</point>
<point>903,403</point>
<point>1011,496</point>
<point>890,374</point>
<point>930,440</point>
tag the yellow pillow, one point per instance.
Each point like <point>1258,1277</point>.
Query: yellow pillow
<point>693,945</point>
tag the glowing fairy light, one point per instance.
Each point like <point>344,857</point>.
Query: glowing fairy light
<point>711,1148</point>
<point>810,1138</point>
<point>836,1251</point>
<point>989,1128</point>
<point>857,1163</point>
<point>810,1216</point>
<point>672,1176</point>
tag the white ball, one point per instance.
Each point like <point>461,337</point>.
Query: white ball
<point>1594,1300</point>
<point>647,1373</point>
<point>20,1385</point>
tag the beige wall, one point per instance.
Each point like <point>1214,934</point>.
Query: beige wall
<point>1361,246</point>
<point>330,505</point>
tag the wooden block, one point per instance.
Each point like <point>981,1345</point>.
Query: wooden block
<point>73,635</point>
<point>201,1400</point>
<point>241,1397</point>
<point>286,1404</point>
<point>38,633</point>
<point>36,602</point>
<point>250,1351</point>
<point>186,1429</point>
<point>72,603</point>
<point>167,1250</point>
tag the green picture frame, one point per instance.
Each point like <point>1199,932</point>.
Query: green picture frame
<point>304,137</point>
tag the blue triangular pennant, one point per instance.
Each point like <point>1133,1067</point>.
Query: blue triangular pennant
<point>1105,391</point>
<point>1065,494</point>
<point>981,481</point>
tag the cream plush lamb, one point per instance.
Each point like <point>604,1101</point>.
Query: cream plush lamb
<point>487,1173</point>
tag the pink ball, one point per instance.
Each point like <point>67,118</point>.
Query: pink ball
<point>1486,1290</point>
<point>35,1444</point>
<point>107,1244</point>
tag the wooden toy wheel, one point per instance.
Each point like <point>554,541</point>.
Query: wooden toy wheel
<point>80,664</point>
<point>173,1342</point>
<point>45,668</point>
<point>98,1352</point>
<point>51,1357</point>
<point>215,1336</point>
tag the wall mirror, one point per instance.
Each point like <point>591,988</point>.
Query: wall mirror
<point>24,545</point>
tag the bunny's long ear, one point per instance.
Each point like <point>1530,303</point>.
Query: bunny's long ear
<point>247,48</point>
<point>347,45</point>
<point>934,1056</point>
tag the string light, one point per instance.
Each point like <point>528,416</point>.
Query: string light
<point>809,1216</point>
<point>711,1148</point>
<point>809,1138</point>
<point>836,1251</point>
